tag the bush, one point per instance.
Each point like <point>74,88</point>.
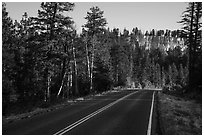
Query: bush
<point>44,105</point>
<point>102,82</point>
<point>175,89</point>
<point>166,89</point>
<point>83,86</point>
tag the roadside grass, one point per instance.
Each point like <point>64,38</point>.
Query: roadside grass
<point>178,116</point>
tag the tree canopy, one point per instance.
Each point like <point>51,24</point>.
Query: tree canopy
<point>44,60</point>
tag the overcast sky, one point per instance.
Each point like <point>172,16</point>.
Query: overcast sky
<point>144,15</point>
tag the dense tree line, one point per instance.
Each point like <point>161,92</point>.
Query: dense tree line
<point>45,60</point>
<point>192,31</point>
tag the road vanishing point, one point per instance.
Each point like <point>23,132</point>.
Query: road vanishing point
<point>128,112</point>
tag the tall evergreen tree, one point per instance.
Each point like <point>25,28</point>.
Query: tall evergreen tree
<point>8,62</point>
<point>95,21</point>
<point>94,26</point>
<point>191,20</point>
<point>170,76</point>
<point>25,59</point>
<point>158,75</point>
<point>181,76</point>
<point>174,74</point>
<point>164,77</point>
<point>51,24</point>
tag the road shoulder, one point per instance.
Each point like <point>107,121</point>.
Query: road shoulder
<point>178,116</point>
<point>39,111</point>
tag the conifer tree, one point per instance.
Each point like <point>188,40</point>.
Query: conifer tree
<point>163,77</point>
<point>174,74</point>
<point>170,76</point>
<point>191,21</point>
<point>95,21</point>
<point>50,24</point>
<point>94,26</point>
<point>8,62</point>
<point>158,75</point>
<point>181,76</point>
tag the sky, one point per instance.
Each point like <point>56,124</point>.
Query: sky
<point>143,15</point>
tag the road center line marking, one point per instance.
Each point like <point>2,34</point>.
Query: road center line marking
<point>150,116</point>
<point>70,127</point>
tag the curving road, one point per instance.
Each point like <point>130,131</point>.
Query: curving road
<point>119,113</point>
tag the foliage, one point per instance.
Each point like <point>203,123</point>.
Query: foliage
<point>44,60</point>
<point>192,31</point>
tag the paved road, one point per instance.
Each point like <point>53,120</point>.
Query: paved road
<point>121,113</point>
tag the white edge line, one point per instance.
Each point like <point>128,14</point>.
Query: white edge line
<point>150,116</point>
<point>70,127</point>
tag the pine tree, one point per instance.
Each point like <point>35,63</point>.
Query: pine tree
<point>154,73</point>
<point>181,77</point>
<point>25,59</point>
<point>191,21</point>
<point>94,26</point>
<point>95,21</point>
<point>170,76</point>
<point>163,77</point>
<point>53,28</point>
<point>158,75</point>
<point>8,62</point>
<point>174,74</point>
<point>74,51</point>
<point>148,69</point>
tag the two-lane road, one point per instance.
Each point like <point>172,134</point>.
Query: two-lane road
<point>121,113</point>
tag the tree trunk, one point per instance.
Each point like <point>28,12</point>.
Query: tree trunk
<point>191,68</point>
<point>92,65</point>
<point>48,86</point>
<point>52,21</point>
<point>88,62</point>
<point>196,31</point>
<point>91,75</point>
<point>117,75</point>
<point>47,96</point>
<point>75,69</point>
<point>47,92</point>
<point>62,83</point>
<point>69,81</point>
<point>131,64</point>
<point>63,72</point>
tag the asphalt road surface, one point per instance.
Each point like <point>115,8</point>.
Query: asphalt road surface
<point>127,112</point>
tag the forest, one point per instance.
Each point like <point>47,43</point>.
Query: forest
<point>45,61</point>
